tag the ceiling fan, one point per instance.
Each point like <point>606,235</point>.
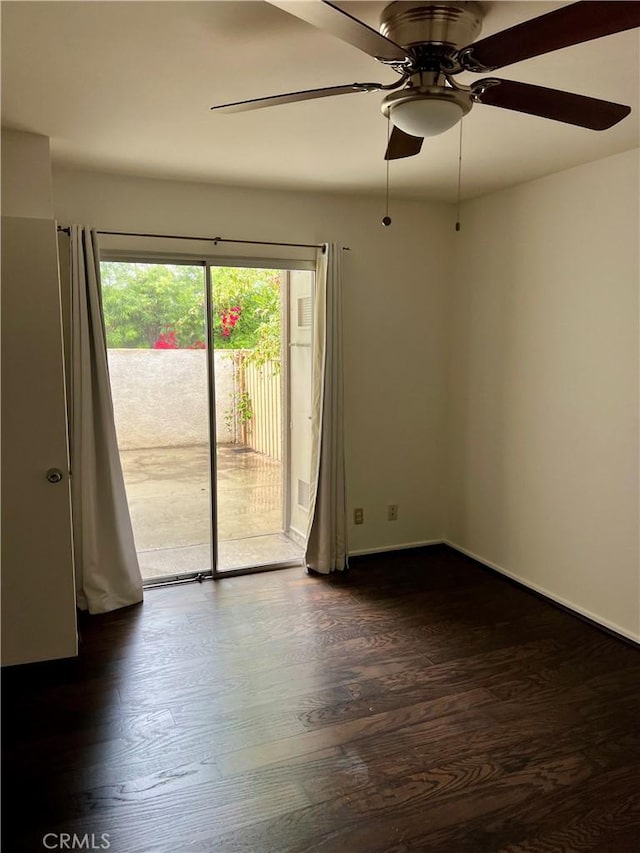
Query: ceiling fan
<point>429,42</point>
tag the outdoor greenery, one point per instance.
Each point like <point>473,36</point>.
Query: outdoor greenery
<point>161,306</point>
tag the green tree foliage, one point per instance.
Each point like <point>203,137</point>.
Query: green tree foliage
<point>257,293</point>
<point>147,303</point>
<point>141,302</point>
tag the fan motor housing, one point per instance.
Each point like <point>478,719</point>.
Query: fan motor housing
<point>443,27</point>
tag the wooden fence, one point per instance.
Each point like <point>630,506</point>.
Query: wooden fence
<point>263,431</point>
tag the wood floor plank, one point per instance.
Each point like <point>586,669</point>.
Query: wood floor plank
<point>429,717</point>
<point>419,702</point>
<point>585,816</point>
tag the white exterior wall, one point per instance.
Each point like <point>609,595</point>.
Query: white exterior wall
<point>160,397</point>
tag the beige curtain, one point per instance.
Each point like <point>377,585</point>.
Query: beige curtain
<point>107,571</point>
<point>326,542</point>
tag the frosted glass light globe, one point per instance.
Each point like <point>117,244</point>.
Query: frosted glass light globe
<point>426,116</point>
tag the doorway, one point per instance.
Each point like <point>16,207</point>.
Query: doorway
<point>208,376</point>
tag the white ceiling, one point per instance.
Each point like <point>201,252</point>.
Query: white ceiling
<point>126,87</point>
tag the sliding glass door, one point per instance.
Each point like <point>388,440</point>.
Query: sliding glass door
<point>209,432</point>
<point>251,328</point>
<point>155,323</point>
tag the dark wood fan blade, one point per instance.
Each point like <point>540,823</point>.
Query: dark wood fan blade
<point>564,27</point>
<point>401,145</point>
<point>330,18</point>
<point>292,97</point>
<point>550,103</point>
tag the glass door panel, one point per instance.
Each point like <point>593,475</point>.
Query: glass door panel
<point>250,397</point>
<point>156,345</point>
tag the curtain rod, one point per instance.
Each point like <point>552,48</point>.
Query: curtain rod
<point>214,240</point>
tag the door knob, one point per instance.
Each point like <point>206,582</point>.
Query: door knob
<point>54,475</point>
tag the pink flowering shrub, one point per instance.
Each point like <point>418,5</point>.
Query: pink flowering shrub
<point>229,318</point>
<point>167,340</point>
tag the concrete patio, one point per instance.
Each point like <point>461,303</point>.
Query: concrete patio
<point>170,505</point>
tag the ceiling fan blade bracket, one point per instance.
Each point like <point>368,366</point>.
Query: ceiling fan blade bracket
<point>450,65</point>
<point>478,89</point>
<point>399,65</point>
<point>366,87</point>
<point>465,62</point>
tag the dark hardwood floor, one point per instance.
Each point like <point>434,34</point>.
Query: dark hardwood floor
<point>420,702</point>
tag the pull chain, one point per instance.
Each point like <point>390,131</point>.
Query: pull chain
<point>459,179</point>
<point>386,219</point>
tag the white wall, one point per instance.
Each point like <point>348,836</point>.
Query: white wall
<point>544,387</point>
<point>26,175</point>
<point>395,284</point>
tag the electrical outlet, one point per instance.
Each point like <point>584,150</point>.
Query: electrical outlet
<point>358,516</point>
<point>392,512</point>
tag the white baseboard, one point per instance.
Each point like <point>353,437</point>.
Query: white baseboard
<point>570,605</point>
<point>390,548</point>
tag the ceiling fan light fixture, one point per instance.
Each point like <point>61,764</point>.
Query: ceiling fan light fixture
<point>426,117</point>
<point>426,110</point>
